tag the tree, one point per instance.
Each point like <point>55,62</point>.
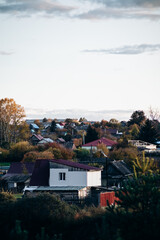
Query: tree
<point>11,116</point>
<point>18,151</point>
<point>82,119</point>
<point>53,126</point>
<point>91,135</point>
<point>137,117</point>
<point>148,132</point>
<point>45,120</point>
<point>134,131</point>
<point>144,166</point>
<point>32,156</point>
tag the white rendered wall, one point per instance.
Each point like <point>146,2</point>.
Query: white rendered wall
<point>94,178</point>
<point>72,178</point>
<point>89,148</point>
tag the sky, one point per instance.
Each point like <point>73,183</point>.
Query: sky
<point>89,58</point>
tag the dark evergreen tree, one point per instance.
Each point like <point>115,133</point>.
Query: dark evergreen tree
<point>53,126</point>
<point>148,132</point>
<point>137,117</point>
<point>91,135</point>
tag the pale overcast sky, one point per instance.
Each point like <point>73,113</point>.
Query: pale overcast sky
<point>91,55</point>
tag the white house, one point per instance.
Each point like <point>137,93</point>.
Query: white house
<point>65,177</point>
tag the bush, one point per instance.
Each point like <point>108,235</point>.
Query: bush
<point>82,154</point>
<point>126,154</point>
<point>18,150</point>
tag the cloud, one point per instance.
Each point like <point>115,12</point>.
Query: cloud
<point>6,53</point>
<point>129,3</point>
<point>118,13</point>
<point>128,50</point>
<point>126,9</point>
<point>84,9</point>
<point>77,113</point>
<point>50,7</point>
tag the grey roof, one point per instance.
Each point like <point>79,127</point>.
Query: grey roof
<point>67,188</point>
<point>16,177</point>
<point>122,167</point>
<point>20,168</point>
<point>35,126</point>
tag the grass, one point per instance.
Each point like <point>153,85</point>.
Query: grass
<point>5,163</point>
<point>18,195</point>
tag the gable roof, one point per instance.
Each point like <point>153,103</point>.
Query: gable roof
<point>38,136</point>
<point>75,164</point>
<point>103,140</point>
<point>19,168</point>
<point>35,126</point>
<point>40,176</point>
<point>122,167</point>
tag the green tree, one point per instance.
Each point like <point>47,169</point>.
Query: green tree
<point>91,135</point>
<point>144,166</point>
<point>82,154</point>
<point>134,131</point>
<point>53,126</point>
<point>137,117</point>
<point>148,132</point>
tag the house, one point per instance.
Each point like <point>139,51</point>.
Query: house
<point>114,132</point>
<point>93,145</point>
<point>18,176</point>
<point>35,139</point>
<point>117,172</point>
<point>45,141</point>
<point>34,127</point>
<point>141,145</point>
<point>71,180</point>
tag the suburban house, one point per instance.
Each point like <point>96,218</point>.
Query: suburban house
<point>141,145</point>
<point>34,127</point>
<point>93,145</point>
<point>71,180</point>
<point>18,176</point>
<point>36,138</point>
<point>113,132</point>
<point>117,172</point>
<point>44,141</point>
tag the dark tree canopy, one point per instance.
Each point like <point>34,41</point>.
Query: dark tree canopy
<point>148,132</point>
<point>138,117</point>
<point>91,135</point>
<point>53,126</point>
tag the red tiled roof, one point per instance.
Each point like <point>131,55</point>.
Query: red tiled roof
<point>103,140</point>
<point>39,137</point>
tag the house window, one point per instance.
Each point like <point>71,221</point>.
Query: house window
<point>62,176</point>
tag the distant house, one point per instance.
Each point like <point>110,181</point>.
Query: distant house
<point>18,176</point>
<point>93,145</point>
<point>67,178</point>
<point>117,172</point>
<point>44,141</point>
<point>36,138</point>
<point>141,145</point>
<point>69,145</point>
<point>60,140</point>
<point>114,132</point>
<point>34,127</point>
